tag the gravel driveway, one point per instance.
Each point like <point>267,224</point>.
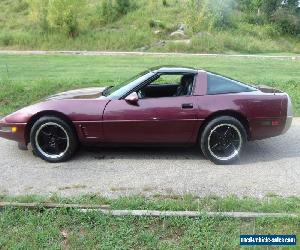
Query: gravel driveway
<point>268,166</point>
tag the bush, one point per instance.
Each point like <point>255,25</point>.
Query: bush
<point>193,18</point>
<point>107,12</point>
<point>110,10</point>
<point>65,15</point>
<point>123,7</point>
<point>268,8</point>
<point>39,12</point>
<point>218,13</point>
<point>210,14</point>
<point>287,22</point>
<point>60,15</point>
<point>165,3</point>
<point>253,18</point>
<point>156,24</point>
<point>20,5</point>
<point>6,39</point>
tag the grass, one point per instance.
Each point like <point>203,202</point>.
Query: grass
<point>270,203</point>
<point>134,31</point>
<point>27,79</point>
<point>69,228</point>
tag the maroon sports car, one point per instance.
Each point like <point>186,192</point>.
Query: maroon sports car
<point>161,106</point>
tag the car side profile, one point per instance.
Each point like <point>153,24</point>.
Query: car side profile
<point>161,106</point>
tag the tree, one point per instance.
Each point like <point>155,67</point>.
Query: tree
<point>269,7</point>
<point>293,4</point>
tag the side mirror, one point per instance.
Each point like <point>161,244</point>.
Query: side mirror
<point>132,98</point>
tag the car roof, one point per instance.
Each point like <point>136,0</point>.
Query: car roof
<point>173,69</point>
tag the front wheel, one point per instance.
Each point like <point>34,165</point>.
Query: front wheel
<point>53,139</point>
<point>222,140</point>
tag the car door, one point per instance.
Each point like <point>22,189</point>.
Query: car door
<point>151,120</point>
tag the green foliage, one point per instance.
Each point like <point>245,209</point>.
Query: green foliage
<point>111,10</point>
<point>227,14</point>
<point>210,14</point>
<point>39,12</point>
<point>293,4</point>
<point>107,12</point>
<point>65,15</point>
<point>123,7</point>
<point>59,15</point>
<point>268,8</point>
<point>156,24</point>
<point>193,18</point>
<point>287,22</point>
<point>20,5</point>
<point>234,25</point>
<point>217,14</point>
<point>6,39</point>
<point>249,6</point>
<point>282,14</point>
<point>253,18</point>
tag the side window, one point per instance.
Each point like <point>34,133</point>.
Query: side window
<point>167,85</point>
<point>167,80</point>
<point>221,85</point>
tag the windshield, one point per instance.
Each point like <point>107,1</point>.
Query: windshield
<point>126,86</point>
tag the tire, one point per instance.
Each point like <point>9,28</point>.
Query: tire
<point>223,139</point>
<point>53,139</point>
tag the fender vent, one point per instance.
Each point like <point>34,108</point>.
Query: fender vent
<point>83,130</point>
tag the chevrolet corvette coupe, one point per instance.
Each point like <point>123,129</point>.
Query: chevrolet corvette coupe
<point>161,106</point>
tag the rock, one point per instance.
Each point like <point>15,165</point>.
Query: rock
<point>160,43</point>
<point>181,26</point>
<point>178,34</point>
<point>182,41</point>
<point>144,48</point>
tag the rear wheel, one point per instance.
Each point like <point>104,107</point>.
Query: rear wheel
<point>222,140</point>
<point>53,139</point>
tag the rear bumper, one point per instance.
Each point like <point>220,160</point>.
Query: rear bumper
<point>289,116</point>
<point>288,124</point>
<point>263,128</point>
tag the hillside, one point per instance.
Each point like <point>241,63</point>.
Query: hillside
<point>140,25</point>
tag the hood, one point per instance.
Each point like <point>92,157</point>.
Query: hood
<point>86,93</point>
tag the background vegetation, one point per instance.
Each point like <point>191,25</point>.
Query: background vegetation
<point>245,26</point>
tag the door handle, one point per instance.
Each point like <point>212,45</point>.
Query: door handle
<point>187,105</point>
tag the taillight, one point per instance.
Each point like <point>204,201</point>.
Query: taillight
<point>275,123</point>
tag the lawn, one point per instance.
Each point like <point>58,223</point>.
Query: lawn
<point>27,79</point>
<point>69,228</point>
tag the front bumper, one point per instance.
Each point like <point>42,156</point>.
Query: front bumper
<point>18,134</point>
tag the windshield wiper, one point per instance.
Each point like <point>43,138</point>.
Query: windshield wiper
<point>105,91</point>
